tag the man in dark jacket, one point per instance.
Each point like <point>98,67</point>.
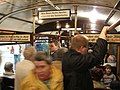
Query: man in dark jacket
<point>76,63</point>
<point>54,47</point>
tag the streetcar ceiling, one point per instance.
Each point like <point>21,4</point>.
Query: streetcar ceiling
<point>17,15</point>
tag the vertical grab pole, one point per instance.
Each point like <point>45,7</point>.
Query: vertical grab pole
<point>33,32</point>
<point>75,8</point>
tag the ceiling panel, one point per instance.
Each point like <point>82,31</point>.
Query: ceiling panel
<point>22,9</point>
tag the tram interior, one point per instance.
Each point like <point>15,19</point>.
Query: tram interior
<point>20,17</point>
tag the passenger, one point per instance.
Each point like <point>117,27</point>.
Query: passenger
<point>23,67</point>
<point>59,53</point>
<point>108,76</point>
<point>7,80</point>
<point>44,76</point>
<point>111,58</point>
<point>76,63</point>
<point>54,46</point>
<point>97,75</point>
<point>8,67</point>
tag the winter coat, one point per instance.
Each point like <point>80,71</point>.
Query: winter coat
<point>31,82</point>
<point>76,66</point>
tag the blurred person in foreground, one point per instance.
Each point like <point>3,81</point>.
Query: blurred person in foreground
<point>23,67</point>
<point>44,76</point>
<point>77,62</point>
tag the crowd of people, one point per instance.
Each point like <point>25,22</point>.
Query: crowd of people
<point>66,69</point>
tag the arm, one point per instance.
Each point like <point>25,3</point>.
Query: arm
<point>104,32</point>
<point>94,58</point>
<point>114,78</point>
<point>26,86</point>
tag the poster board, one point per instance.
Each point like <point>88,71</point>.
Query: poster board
<point>15,38</point>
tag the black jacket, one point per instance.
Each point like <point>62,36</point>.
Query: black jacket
<point>76,66</point>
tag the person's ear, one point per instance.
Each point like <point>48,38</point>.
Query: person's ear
<point>80,48</point>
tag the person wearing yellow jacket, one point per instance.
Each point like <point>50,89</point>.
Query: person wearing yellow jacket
<point>44,76</point>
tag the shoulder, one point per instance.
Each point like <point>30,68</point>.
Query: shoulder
<point>24,64</point>
<point>56,73</point>
<point>22,69</point>
<point>113,75</point>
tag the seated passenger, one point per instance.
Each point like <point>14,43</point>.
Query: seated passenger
<point>108,76</point>
<point>111,58</point>
<point>8,67</point>
<point>97,75</point>
<point>44,76</point>
<point>7,82</point>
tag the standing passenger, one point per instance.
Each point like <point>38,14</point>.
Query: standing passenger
<point>54,46</point>
<point>59,54</point>
<point>23,67</point>
<point>76,63</point>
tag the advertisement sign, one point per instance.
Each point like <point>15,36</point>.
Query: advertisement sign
<point>54,14</point>
<point>112,38</point>
<point>14,38</point>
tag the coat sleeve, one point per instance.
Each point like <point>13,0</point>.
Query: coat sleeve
<point>26,86</point>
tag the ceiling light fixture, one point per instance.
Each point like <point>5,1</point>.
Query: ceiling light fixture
<point>92,15</point>
<point>93,26</point>
<point>67,25</point>
<point>39,8</point>
<point>58,26</point>
<point>40,21</point>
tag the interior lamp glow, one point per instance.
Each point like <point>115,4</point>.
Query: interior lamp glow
<point>93,26</point>
<point>92,15</point>
<point>36,18</point>
<point>67,25</point>
<point>39,9</point>
<point>93,31</point>
<point>58,26</point>
<point>40,21</point>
